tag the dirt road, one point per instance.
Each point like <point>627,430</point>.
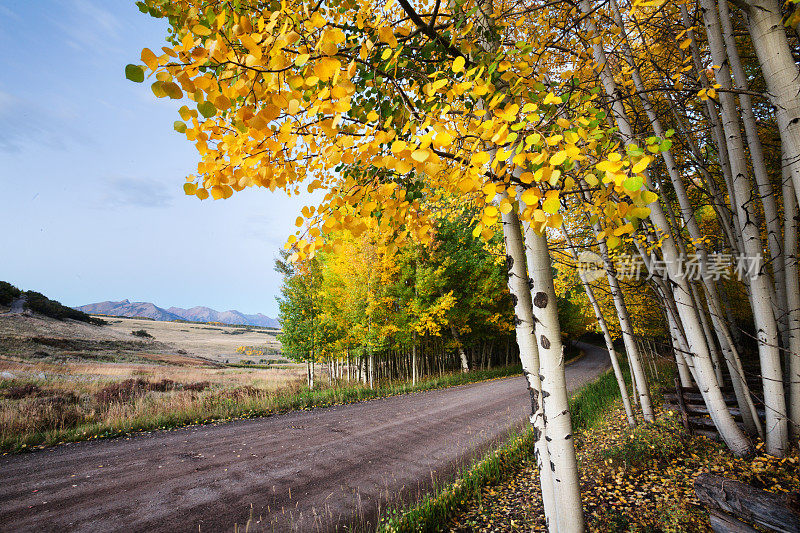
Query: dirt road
<point>304,471</point>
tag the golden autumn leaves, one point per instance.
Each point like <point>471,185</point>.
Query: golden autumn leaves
<point>340,100</point>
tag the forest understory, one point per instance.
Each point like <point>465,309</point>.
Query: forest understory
<point>632,479</point>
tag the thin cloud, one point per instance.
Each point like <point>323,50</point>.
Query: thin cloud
<point>27,123</point>
<point>91,27</point>
<point>136,192</point>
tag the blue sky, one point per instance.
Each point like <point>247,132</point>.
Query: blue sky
<point>91,173</point>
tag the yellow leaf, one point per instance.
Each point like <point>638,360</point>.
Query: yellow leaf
<point>199,29</point>
<point>551,205</point>
<point>529,197</point>
<point>442,140</point>
<point>326,67</point>
<point>149,59</point>
<point>398,146</point>
<point>458,64</point>
<point>480,158</point>
<point>189,188</point>
<point>301,60</point>
<point>420,155</point>
<point>649,197</point>
<point>552,99</point>
<point>641,164</point>
<point>558,158</point>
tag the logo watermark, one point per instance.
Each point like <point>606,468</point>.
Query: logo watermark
<point>690,267</point>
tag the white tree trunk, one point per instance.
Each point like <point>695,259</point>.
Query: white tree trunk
<point>560,443</point>
<point>704,372</point>
<point>781,75</point>
<point>642,392</point>
<point>371,370</point>
<point>761,287</point>
<point>765,192</point>
<point>414,360</point>
<point>529,356</point>
<point>460,347</point>
<point>598,313</point>
<point>790,257</point>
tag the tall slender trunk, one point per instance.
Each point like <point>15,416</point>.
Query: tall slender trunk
<point>781,74</point>
<point>598,313</point>
<point>760,285</point>
<point>460,348</point>
<point>529,356</point>
<point>701,360</point>
<point>790,257</point>
<point>641,390</point>
<point>560,443</point>
<point>766,194</point>
<point>414,359</point>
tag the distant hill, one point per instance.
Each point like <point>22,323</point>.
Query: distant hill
<point>195,314</point>
<point>130,309</point>
<point>25,301</point>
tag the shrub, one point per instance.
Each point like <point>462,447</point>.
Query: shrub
<point>57,412</point>
<point>8,293</point>
<point>39,303</point>
<point>162,386</point>
<point>22,391</point>
<point>141,333</point>
<point>123,391</point>
<point>197,386</point>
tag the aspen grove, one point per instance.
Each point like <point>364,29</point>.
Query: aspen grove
<point>660,134</point>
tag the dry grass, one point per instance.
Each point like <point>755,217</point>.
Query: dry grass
<point>31,336</point>
<point>71,407</point>
<point>45,403</point>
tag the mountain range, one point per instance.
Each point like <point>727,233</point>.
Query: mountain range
<point>195,314</point>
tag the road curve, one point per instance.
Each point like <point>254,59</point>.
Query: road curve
<point>304,471</point>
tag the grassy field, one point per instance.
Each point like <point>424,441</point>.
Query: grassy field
<point>210,341</point>
<point>132,340</point>
<point>43,404</point>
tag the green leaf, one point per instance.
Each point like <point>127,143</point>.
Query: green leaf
<point>670,132</point>
<point>207,109</point>
<point>158,89</point>
<point>633,184</point>
<point>634,150</point>
<point>666,145</point>
<point>134,73</point>
<point>179,126</point>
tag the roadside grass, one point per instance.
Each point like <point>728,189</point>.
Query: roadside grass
<point>36,413</point>
<point>438,507</point>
